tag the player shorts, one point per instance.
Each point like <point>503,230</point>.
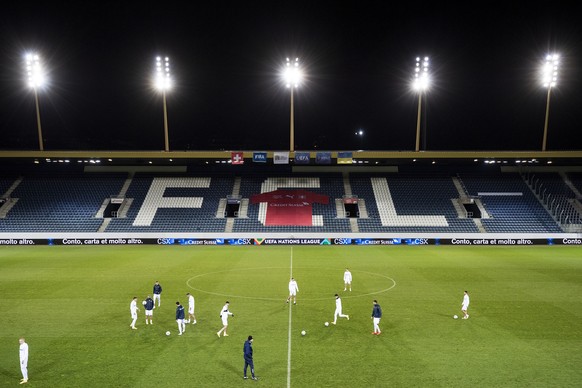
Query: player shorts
<point>464,307</point>
<point>376,321</point>
<point>134,315</point>
<point>293,293</point>
<point>191,310</point>
<point>224,320</point>
<point>149,313</point>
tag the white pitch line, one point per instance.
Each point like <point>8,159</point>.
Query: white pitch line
<point>289,333</point>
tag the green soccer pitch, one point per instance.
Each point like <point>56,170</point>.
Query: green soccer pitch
<point>72,306</point>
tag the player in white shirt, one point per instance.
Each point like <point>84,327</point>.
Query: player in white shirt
<point>338,310</point>
<point>347,280</point>
<point>133,310</point>
<point>191,316</point>
<point>224,314</point>
<point>293,290</point>
<point>465,305</point>
<point>23,360</point>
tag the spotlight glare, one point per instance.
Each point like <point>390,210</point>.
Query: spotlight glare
<point>421,78</point>
<point>292,74</point>
<point>550,71</point>
<point>34,71</point>
<point>163,79</point>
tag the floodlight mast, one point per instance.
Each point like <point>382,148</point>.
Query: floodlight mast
<point>292,78</point>
<point>549,80</point>
<point>420,84</point>
<point>163,83</point>
<point>35,79</point>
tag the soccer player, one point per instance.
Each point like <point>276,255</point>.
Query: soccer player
<point>133,310</point>
<point>248,356</point>
<point>157,293</point>
<point>338,310</point>
<point>376,315</point>
<point>347,280</point>
<point>293,290</point>
<point>465,305</point>
<point>23,360</point>
<point>149,310</point>
<point>191,316</point>
<point>180,318</point>
<point>224,313</point>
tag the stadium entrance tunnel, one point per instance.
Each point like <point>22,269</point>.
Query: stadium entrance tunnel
<point>112,210</point>
<point>352,210</point>
<point>472,210</point>
<point>232,208</point>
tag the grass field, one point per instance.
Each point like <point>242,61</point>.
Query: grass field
<point>72,305</point>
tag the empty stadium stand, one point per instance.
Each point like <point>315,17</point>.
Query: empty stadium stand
<point>388,202</point>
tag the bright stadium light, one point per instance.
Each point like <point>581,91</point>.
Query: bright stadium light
<point>292,76</point>
<point>35,79</point>
<point>549,80</point>
<point>360,133</point>
<point>420,84</point>
<point>421,75</point>
<point>163,82</point>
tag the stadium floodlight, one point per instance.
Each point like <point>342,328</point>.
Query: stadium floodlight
<point>360,133</point>
<point>292,76</point>
<point>163,82</point>
<point>35,78</point>
<point>549,80</point>
<point>420,84</point>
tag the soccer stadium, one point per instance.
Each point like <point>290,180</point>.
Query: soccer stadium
<point>81,236</point>
<point>340,195</point>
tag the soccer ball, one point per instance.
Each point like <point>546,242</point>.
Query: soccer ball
<point>326,324</point>
<point>455,316</point>
<point>168,332</point>
<point>303,332</point>
<point>144,302</point>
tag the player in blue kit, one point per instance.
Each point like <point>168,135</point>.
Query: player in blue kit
<point>180,318</point>
<point>149,310</point>
<point>157,293</point>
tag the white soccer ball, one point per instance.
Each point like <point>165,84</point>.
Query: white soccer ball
<point>303,332</point>
<point>168,332</point>
<point>455,316</point>
<point>326,324</point>
<point>144,302</point>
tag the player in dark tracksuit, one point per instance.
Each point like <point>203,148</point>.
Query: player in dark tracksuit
<point>149,310</point>
<point>157,293</point>
<point>376,315</point>
<point>248,355</point>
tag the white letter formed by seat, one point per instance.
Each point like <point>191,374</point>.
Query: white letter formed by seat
<point>155,197</point>
<point>387,210</point>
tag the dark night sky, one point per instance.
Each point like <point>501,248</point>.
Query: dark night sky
<point>226,60</point>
